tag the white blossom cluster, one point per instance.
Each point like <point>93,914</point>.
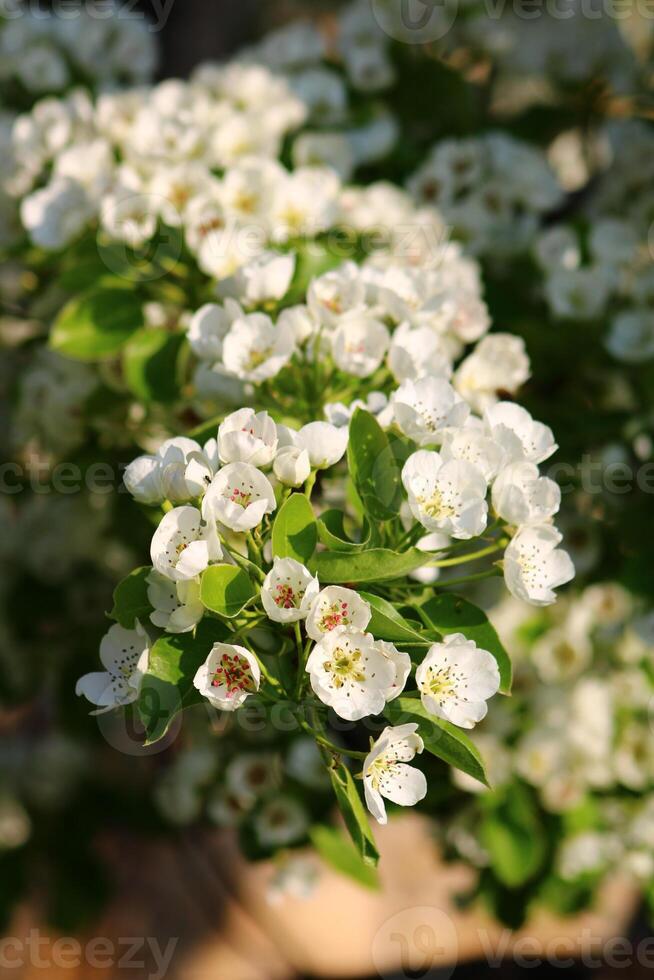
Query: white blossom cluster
<point>492,190</point>
<point>132,158</point>
<point>47,53</point>
<point>581,735</point>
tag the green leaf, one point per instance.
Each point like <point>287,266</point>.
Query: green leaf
<point>354,814</point>
<point>341,855</point>
<point>375,565</point>
<point>373,467</point>
<point>226,589</point>
<point>331,531</point>
<point>387,623</point>
<point>131,599</point>
<point>295,531</point>
<point>514,837</point>
<point>449,613</point>
<point>97,324</point>
<point>440,737</point>
<point>168,684</point>
<point>151,365</point>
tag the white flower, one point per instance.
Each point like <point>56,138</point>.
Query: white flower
<point>521,496</point>
<point>183,546</point>
<point>418,352</point>
<point>448,496</point>
<point>124,655</point>
<point>208,328</point>
<point>185,468</point>
<point>247,437</point>
<point>281,821</point>
<point>557,247</point>
<point>425,408</point>
<point>456,679</point>
<point>304,203</point>
<point>387,774</point>
<point>351,674</point>
<point>239,497</point>
<point>288,591</point>
<point>300,321</point>
<point>324,443</point>
<point>177,605</point>
<point>265,277</point>
<point>359,344</point>
<point>401,664</point>
<point>580,294</point>
<point>330,149</point>
<point>631,337</point>
<point>255,349</point>
<point>55,215</point>
<point>251,775</point>
<point>499,363</point>
<point>336,606</point>
<point>292,466</point>
<point>142,477</point>
<point>336,293</point>
<point>534,566</point>
<point>229,674</point>
<point>472,444</point>
<point>521,438</point>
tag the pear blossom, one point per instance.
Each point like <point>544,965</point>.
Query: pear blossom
<point>521,496</point>
<point>142,477</point>
<point>292,466</point>
<point>185,468</point>
<point>263,278</point>
<point>300,321</point>
<point>280,822</point>
<point>335,293</point>
<point>401,662</point>
<point>456,679</point>
<point>448,496</point>
<point>359,344</point>
<point>423,409</point>
<point>386,773</point>
<point>351,674</point>
<point>228,676</point>
<point>534,566</point>
<point>472,444</point>
<point>631,337</point>
<point>124,654</point>
<point>521,438</point>
<point>55,215</point>
<point>288,591</point>
<point>183,545</point>
<point>208,328</point>
<point>304,203</point>
<point>177,605</point>
<point>247,436</point>
<point>499,363</point>
<point>255,349</point>
<point>324,443</point>
<point>337,606</point>
<point>239,497</point>
<point>418,352</point>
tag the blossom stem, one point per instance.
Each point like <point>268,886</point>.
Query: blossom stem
<point>336,749</point>
<point>308,486</point>
<point>469,555</point>
<point>472,578</point>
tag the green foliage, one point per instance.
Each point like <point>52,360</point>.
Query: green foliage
<point>449,613</point>
<point>375,565</point>
<point>440,737</point>
<point>226,589</point>
<point>513,835</point>
<point>331,531</point>
<point>354,814</point>
<point>97,324</point>
<point>373,467</point>
<point>295,532</point>
<point>387,623</point>
<point>343,856</point>
<point>131,599</point>
<point>151,365</point>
